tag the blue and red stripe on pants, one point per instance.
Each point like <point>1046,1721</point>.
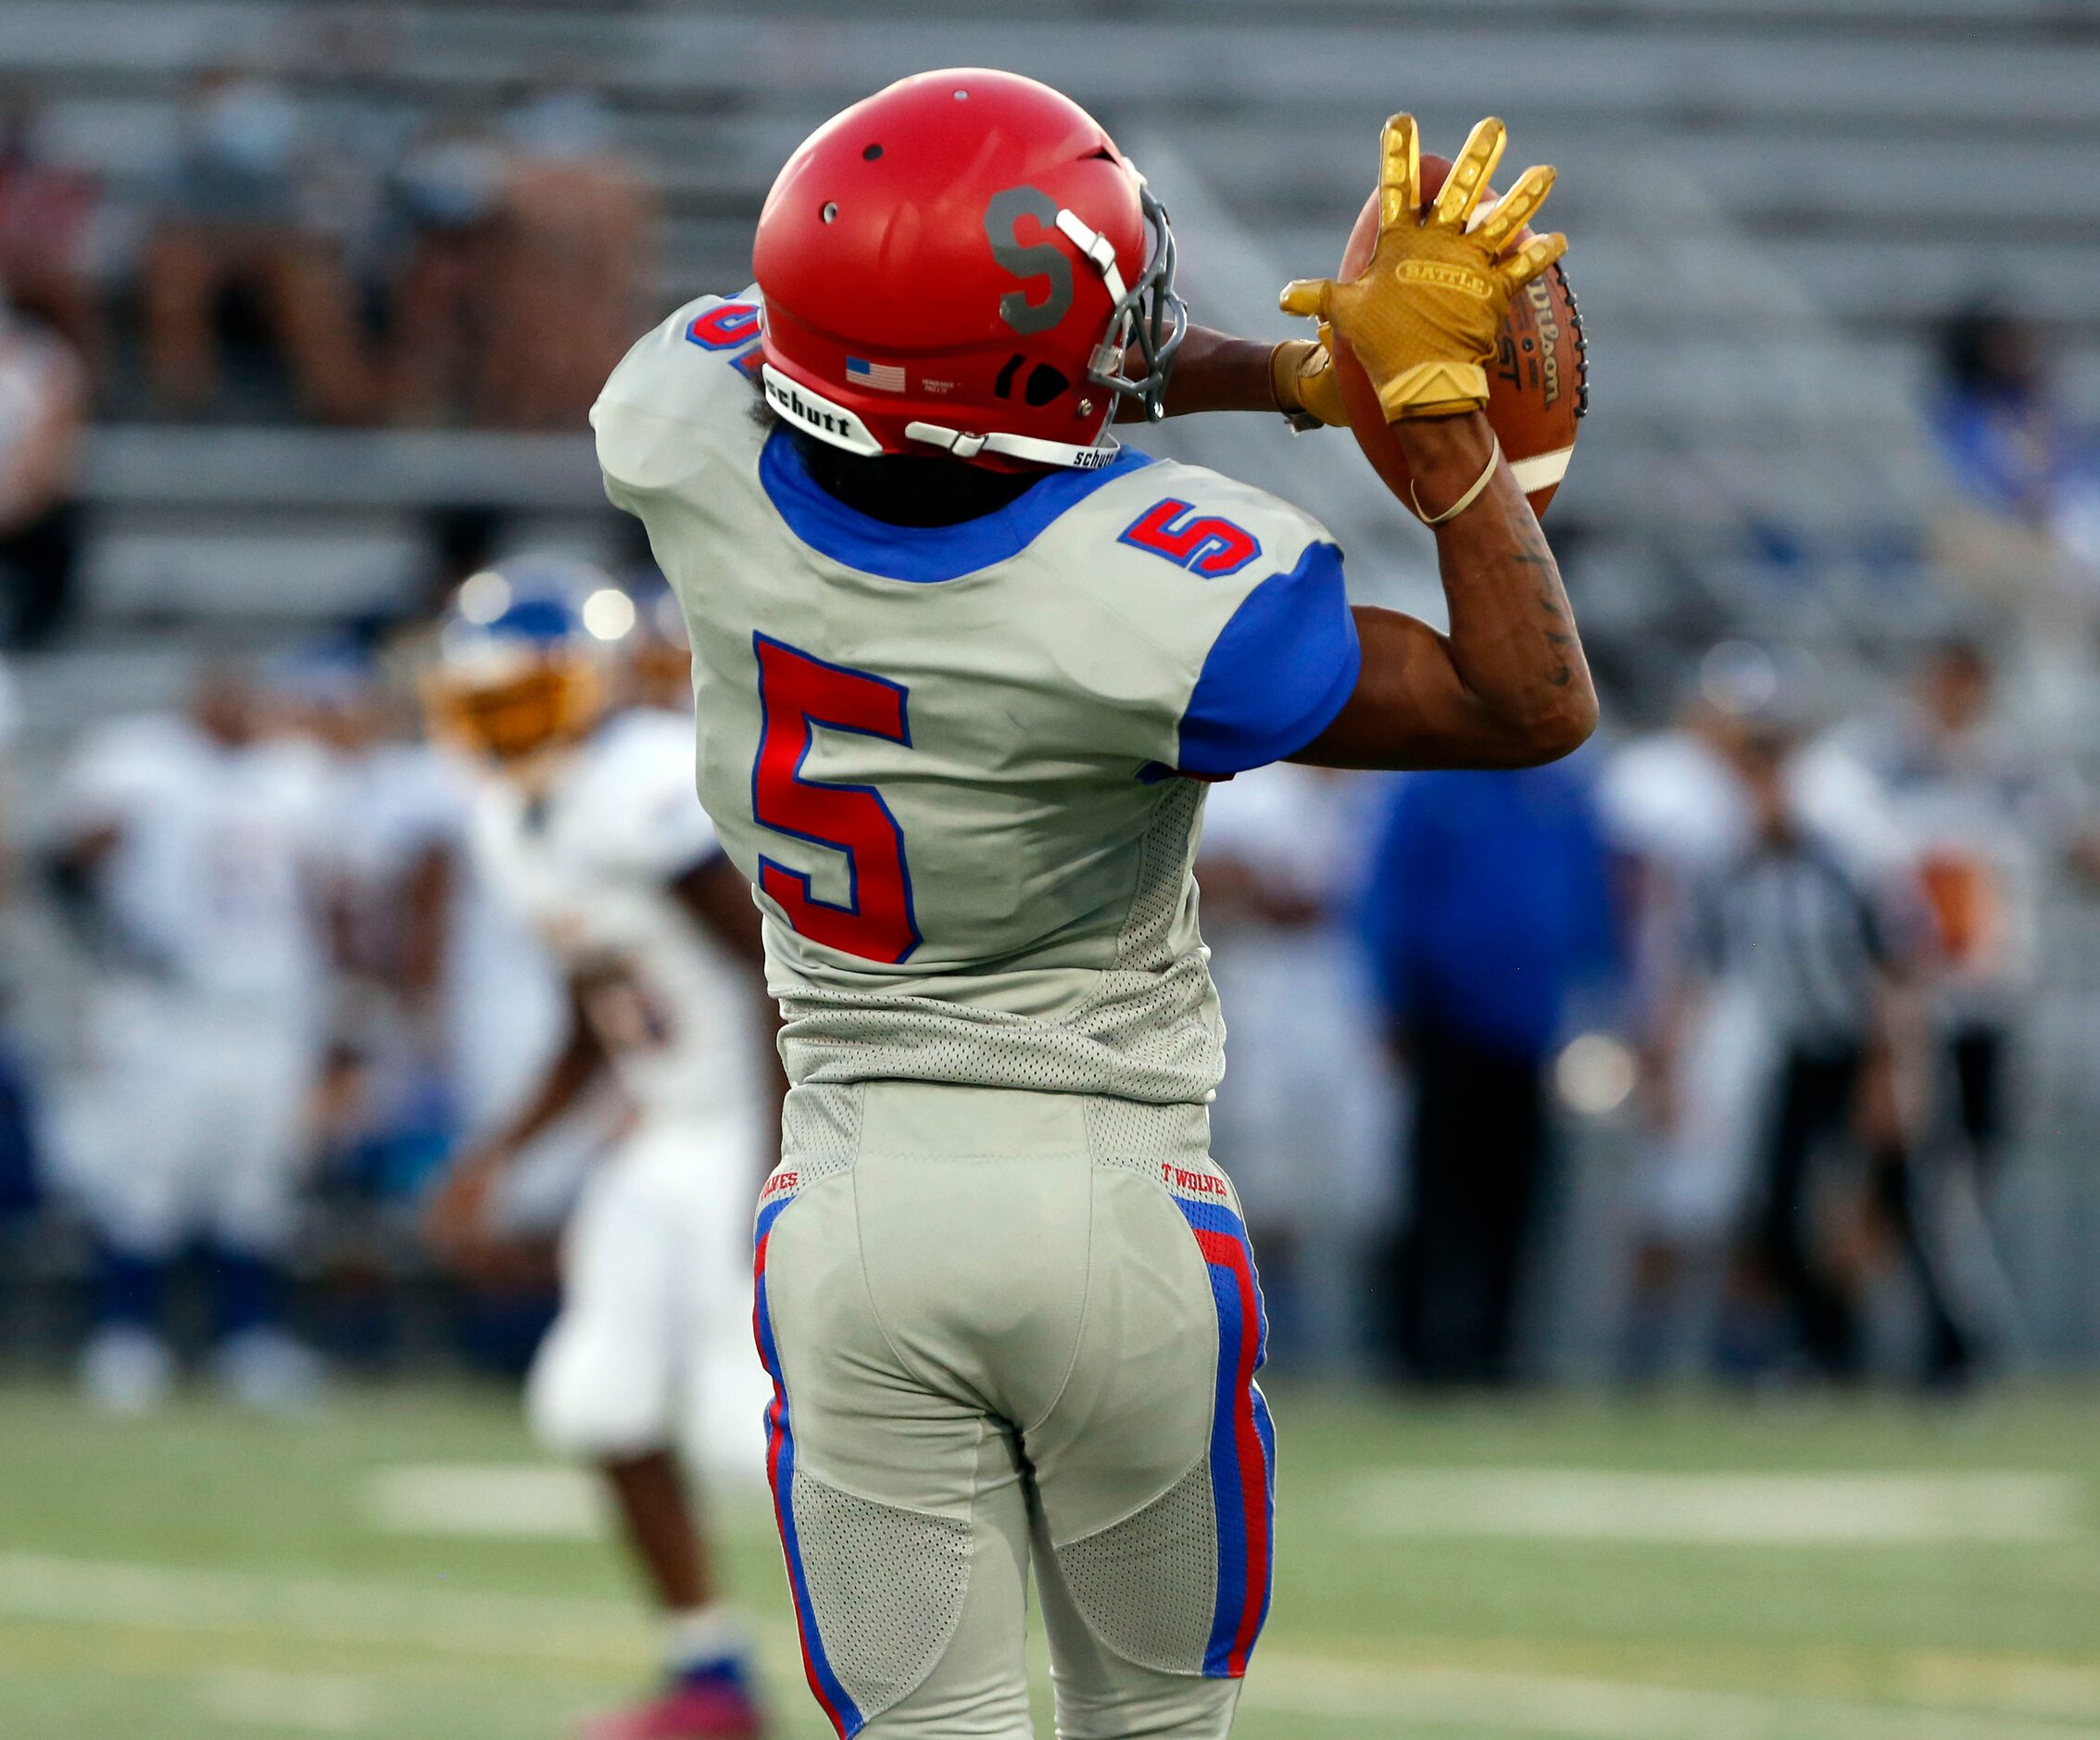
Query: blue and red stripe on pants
<point>845,1716</point>
<point>1242,1442</point>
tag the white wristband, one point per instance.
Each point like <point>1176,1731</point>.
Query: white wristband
<point>1469,498</point>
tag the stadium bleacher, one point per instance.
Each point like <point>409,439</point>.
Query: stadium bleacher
<point>1814,176</point>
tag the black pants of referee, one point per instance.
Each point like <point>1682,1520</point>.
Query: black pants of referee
<point>1816,1101</point>
<point>1813,1109</point>
<point>1933,1206</point>
<point>1478,1152</point>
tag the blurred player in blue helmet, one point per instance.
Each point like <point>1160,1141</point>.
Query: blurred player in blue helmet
<point>586,821</point>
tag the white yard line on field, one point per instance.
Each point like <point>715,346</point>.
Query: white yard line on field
<point>608,1634</point>
<point>1714,1510</point>
<point>531,1501</point>
<point>96,1592</point>
<point>320,1703</point>
<point>514,1501</point>
<point>1395,1700</point>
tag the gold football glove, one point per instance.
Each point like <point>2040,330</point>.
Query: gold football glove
<point>1423,314</point>
<point>1302,380</point>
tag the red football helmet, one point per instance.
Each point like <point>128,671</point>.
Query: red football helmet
<point>962,261</point>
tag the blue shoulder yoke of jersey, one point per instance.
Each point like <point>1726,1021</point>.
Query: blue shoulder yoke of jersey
<point>924,554</point>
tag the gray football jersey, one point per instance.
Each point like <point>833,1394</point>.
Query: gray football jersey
<point>963,766</point>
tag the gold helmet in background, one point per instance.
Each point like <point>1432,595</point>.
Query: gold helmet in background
<point>520,661</point>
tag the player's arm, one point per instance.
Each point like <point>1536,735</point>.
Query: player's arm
<point>715,893</point>
<point>1507,686</point>
<point>455,1219</point>
<point>1213,370</point>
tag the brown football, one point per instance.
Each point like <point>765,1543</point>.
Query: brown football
<point>1538,384</point>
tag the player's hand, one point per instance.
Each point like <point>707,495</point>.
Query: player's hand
<point>1302,380</point>
<point>1423,314</point>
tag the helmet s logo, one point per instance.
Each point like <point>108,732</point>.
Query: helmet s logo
<point>1029,261</point>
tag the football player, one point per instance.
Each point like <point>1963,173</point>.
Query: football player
<point>963,666</point>
<point>188,861</point>
<point>586,822</point>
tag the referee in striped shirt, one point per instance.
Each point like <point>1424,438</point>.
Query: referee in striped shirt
<point>1833,971</point>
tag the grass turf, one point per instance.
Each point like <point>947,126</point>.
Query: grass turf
<point>204,1573</point>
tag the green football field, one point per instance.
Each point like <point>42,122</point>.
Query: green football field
<point>406,1566</point>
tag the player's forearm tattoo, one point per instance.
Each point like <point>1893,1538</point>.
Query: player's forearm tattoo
<point>1534,552</point>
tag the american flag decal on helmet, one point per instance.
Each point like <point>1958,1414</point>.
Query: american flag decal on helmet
<point>884,377</point>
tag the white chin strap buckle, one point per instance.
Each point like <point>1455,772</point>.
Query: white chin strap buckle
<point>1096,248</point>
<point>966,445</point>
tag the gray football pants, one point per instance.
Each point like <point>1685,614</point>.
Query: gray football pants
<point>1013,1330</point>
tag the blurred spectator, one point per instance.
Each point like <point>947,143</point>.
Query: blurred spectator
<point>228,215</point>
<point>573,254</point>
<point>1304,1119</point>
<point>1995,417</point>
<point>358,119</point>
<point>1989,815</point>
<point>442,206</point>
<point>1792,925</point>
<point>186,860</point>
<point>2032,515</point>
<point>1488,903</point>
<point>47,214</point>
<point>43,414</point>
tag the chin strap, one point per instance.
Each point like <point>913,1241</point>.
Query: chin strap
<point>966,446</point>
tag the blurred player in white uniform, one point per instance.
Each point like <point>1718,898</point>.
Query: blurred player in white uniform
<point>188,858</point>
<point>586,822</point>
<point>392,804</point>
<point>1674,808</point>
<point>963,667</point>
<point>447,1005</point>
<point>1309,1123</point>
<point>1989,820</point>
